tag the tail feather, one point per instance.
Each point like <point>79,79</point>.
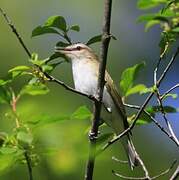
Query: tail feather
<point>130,151</point>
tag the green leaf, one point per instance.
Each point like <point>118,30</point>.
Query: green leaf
<point>8,150</point>
<point>176,30</point>
<point>35,89</point>
<point>174,96</point>
<point>81,113</point>
<point>146,4</point>
<point>4,82</point>
<point>94,39</point>
<point>150,24</point>
<point>24,138</point>
<point>19,68</point>
<point>6,161</point>
<point>128,77</point>
<point>157,109</point>
<point>75,28</point>
<point>47,68</point>
<point>147,90</point>
<point>5,95</point>
<point>40,30</point>
<point>136,89</point>
<point>47,119</point>
<point>18,71</point>
<point>145,17</point>
<point>143,119</point>
<point>57,22</point>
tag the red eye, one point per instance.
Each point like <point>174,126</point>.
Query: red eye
<point>78,48</point>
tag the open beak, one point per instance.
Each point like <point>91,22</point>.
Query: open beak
<point>62,50</point>
<point>59,50</point>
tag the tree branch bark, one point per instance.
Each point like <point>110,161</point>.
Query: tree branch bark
<point>101,81</point>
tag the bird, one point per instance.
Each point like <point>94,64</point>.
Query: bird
<point>85,70</point>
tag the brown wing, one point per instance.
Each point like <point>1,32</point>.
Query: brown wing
<point>112,89</point>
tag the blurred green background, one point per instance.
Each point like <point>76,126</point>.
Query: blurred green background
<point>68,140</point>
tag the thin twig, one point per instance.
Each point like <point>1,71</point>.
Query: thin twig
<point>165,116</point>
<point>175,174</point>
<point>97,104</point>
<point>120,161</point>
<point>157,92</point>
<point>28,52</point>
<point>14,30</point>
<point>155,121</point>
<point>145,178</point>
<point>28,160</point>
<point>168,91</point>
<point>144,104</point>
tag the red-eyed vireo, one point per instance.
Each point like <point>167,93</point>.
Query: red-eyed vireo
<point>85,67</point>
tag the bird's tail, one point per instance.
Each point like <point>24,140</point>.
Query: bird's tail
<point>130,151</point>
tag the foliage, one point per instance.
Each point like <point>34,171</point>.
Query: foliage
<point>14,145</point>
<point>167,17</point>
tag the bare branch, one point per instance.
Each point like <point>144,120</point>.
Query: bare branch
<point>120,161</point>
<point>165,117</point>
<point>175,174</point>
<point>167,92</point>
<point>155,121</point>
<point>50,77</point>
<point>144,104</point>
<point>28,160</point>
<point>97,104</point>
<point>14,30</point>
<point>145,178</point>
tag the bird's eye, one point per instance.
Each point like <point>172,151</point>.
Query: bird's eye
<point>78,48</point>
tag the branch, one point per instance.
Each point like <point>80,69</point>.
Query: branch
<point>159,99</point>
<point>155,121</point>
<point>165,117</point>
<point>28,160</point>
<point>168,91</point>
<point>28,52</point>
<point>145,178</point>
<point>97,104</point>
<point>144,104</point>
<point>175,174</point>
<point>14,30</point>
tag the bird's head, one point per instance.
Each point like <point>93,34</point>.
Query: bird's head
<point>76,51</point>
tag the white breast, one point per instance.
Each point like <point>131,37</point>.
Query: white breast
<point>85,80</point>
<point>84,77</point>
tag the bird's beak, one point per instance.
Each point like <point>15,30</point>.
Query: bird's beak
<point>62,50</point>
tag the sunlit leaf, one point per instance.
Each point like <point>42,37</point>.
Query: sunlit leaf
<point>24,137</point>
<point>6,161</point>
<point>47,68</point>
<point>35,89</point>
<point>40,30</point>
<point>8,150</point>
<point>48,119</point>
<point>94,39</point>
<point>57,22</point>
<point>174,96</point>
<point>4,82</point>
<point>157,109</point>
<point>5,95</point>
<point>75,28</point>
<point>128,77</point>
<point>19,68</point>
<point>151,23</point>
<point>81,113</point>
<point>136,89</point>
<point>146,4</point>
